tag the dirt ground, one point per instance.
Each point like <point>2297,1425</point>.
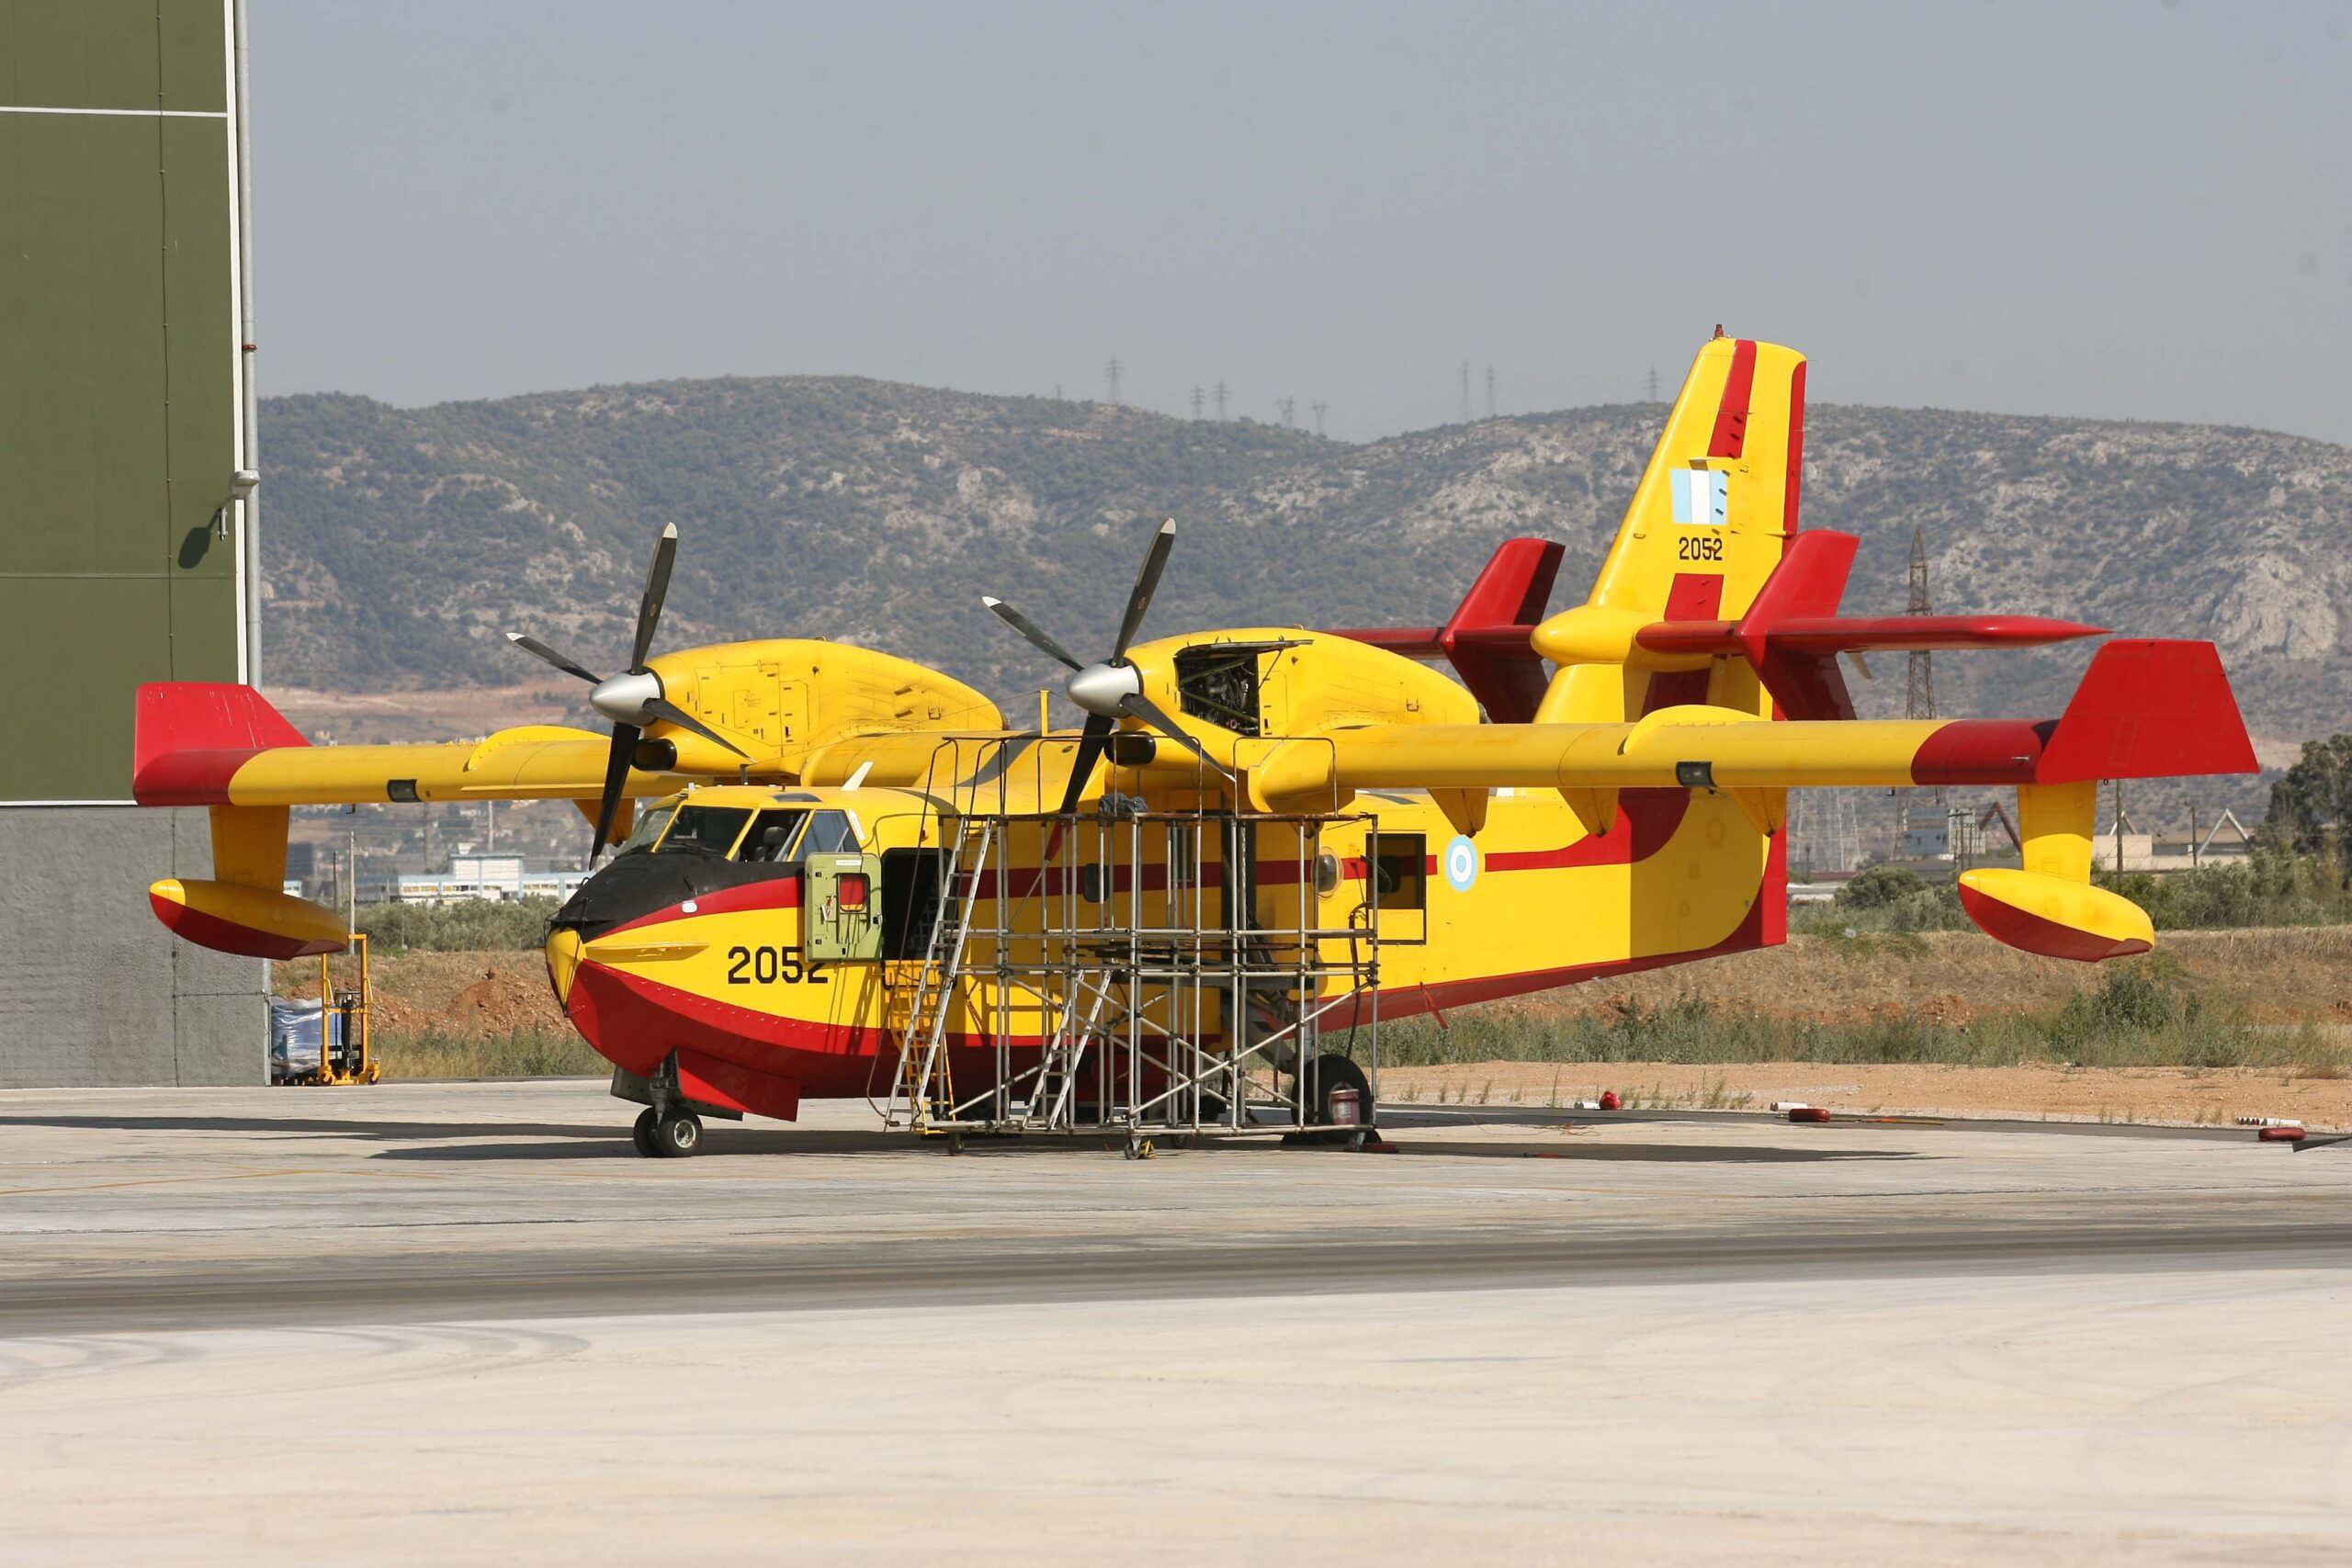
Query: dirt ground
<point>482,994</point>
<point>2188,1096</point>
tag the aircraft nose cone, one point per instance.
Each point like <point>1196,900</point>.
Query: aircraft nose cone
<point>563,963</point>
<point>1100,688</point>
<point>623,698</point>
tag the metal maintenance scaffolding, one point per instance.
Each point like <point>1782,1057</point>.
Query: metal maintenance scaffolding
<point>1137,972</point>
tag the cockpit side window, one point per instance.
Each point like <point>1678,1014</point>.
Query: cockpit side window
<point>770,840</point>
<point>703,829</point>
<point>649,827</point>
<point>829,832</point>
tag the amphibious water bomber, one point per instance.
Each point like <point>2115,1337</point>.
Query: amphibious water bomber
<point>840,873</point>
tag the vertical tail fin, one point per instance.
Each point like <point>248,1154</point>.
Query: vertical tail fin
<point>1705,528</point>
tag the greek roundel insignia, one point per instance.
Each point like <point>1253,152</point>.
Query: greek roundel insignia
<point>1461,864</point>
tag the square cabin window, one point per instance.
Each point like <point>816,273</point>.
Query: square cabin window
<point>1399,867</point>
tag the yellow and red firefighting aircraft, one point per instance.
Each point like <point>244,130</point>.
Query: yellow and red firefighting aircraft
<point>1621,811</point>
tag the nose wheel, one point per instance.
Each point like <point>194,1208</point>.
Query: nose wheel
<point>673,1134</point>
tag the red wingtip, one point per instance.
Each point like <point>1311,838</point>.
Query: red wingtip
<point>2150,709</point>
<point>190,737</point>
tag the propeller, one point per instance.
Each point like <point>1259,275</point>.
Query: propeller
<point>634,699</point>
<point>1110,689</point>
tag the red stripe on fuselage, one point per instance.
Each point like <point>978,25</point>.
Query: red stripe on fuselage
<point>777,893</point>
<point>1764,925</point>
<point>635,1022</point>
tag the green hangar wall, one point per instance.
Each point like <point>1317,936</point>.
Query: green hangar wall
<point>127,535</point>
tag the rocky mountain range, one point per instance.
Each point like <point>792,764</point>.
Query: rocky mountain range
<point>400,543</point>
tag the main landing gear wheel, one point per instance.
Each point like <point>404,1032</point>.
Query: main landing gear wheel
<point>641,1134</point>
<point>1326,1074</point>
<point>672,1136</point>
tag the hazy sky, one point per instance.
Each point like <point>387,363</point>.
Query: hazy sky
<point>2133,209</point>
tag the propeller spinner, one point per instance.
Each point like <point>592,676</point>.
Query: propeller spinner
<point>635,698</point>
<point>1110,689</point>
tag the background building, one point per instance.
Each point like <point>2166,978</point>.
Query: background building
<point>127,535</point>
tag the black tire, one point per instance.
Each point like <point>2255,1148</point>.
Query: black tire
<point>1328,1073</point>
<point>641,1134</point>
<point>677,1135</point>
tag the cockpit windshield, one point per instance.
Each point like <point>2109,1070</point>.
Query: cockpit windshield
<point>649,827</point>
<point>704,831</point>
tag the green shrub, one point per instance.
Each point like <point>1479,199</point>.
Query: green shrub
<point>512,925</point>
<point>1878,887</point>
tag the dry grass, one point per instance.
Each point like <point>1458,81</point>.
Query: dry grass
<point>524,1054</point>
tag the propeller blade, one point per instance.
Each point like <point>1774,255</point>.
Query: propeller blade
<point>1092,742</point>
<point>1030,630</point>
<point>657,588</point>
<point>664,709</point>
<point>1155,561</point>
<point>616,762</point>
<point>539,649</point>
<point>1142,707</point>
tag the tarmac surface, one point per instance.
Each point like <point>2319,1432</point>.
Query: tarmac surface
<point>466,1322</point>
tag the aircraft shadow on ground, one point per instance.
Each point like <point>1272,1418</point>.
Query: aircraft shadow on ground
<point>725,1143</point>
<point>1661,1154</point>
<point>306,1126</point>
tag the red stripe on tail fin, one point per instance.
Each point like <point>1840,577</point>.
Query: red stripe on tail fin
<point>1731,414</point>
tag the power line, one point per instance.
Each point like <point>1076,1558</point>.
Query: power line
<point>1490,391</point>
<point>1919,694</point>
<point>1465,391</point>
<point>1111,373</point>
<point>1319,406</point>
<point>1919,684</point>
<point>1196,402</point>
<point>1289,407</point>
<point>1223,391</point>
<point>1653,383</point>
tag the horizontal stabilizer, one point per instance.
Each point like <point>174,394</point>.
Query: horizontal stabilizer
<point>1489,639</point>
<point>1792,633</point>
<point>1866,634</point>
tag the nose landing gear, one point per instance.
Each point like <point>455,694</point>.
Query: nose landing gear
<point>672,1134</point>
